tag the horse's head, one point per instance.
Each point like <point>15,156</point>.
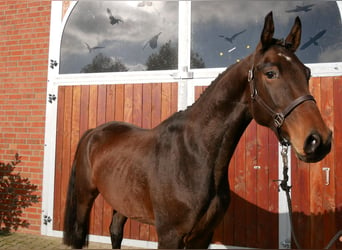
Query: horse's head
<point>280,96</point>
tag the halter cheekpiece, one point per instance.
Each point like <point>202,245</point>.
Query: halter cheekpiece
<point>278,117</point>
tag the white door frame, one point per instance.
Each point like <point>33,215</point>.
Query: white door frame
<point>187,81</point>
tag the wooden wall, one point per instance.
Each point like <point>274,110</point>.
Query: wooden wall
<point>83,107</point>
<point>252,215</point>
<point>252,218</point>
<point>318,207</point>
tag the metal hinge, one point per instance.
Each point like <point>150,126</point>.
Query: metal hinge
<point>53,63</point>
<point>183,74</point>
<point>52,98</point>
<point>46,219</point>
<point>286,244</point>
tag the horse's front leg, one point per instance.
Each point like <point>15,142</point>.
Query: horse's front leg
<point>170,240</point>
<point>168,237</point>
<point>200,241</point>
<point>116,229</point>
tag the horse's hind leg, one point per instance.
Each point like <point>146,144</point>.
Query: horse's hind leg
<point>83,217</point>
<point>80,197</point>
<point>76,224</point>
<point>77,211</point>
<point>116,229</point>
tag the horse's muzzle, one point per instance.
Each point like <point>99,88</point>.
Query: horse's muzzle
<point>315,147</point>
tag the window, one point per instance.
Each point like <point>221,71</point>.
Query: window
<point>116,36</point>
<point>113,36</point>
<point>223,32</point>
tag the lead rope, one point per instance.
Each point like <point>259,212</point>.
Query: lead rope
<point>285,187</point>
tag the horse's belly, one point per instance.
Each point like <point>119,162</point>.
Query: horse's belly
<point>129,199</point>
<point>119,161</point>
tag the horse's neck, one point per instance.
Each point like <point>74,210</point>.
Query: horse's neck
<point>221,113</point>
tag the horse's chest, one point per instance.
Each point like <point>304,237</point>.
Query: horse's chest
<point>212,215</point>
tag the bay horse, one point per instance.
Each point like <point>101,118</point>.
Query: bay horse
<point>175,176</point>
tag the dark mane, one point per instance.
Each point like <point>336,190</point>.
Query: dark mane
<point>213,84</point>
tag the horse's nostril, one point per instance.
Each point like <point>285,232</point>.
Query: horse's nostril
<point>312,143</point>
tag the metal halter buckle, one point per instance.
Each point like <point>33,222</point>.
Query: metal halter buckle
<point>279,120</point>
<point>250,74</point>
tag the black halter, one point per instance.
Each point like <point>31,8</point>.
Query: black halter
<point>278,117</point>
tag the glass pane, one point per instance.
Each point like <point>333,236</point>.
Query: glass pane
<point>112,36</point>
<point>224,37</point>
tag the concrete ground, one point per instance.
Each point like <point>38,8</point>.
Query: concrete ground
<point>29,241</point>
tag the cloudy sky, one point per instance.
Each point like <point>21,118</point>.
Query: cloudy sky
<point>127,41</point>
<point>248,16</point>
<point>212,21</point>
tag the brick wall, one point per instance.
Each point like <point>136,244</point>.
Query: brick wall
<point>24,43</point>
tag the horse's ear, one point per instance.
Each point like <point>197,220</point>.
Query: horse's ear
<point>293,39</point>
<point>268,31</point>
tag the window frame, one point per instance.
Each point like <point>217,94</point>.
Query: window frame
<point>184,51</point>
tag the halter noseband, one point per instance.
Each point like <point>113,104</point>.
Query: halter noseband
<point>278,117</point>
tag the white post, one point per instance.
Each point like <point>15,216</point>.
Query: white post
<point>184,48</point>
<point>284,222</point>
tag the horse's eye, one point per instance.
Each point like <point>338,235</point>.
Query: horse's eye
<point>271,74</point>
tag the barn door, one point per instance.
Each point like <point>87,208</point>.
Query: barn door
<point>252,216</point>
<point>84,107</point>
<point>316,192</point>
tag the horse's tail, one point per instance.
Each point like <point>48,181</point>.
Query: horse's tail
<point>72,236</point>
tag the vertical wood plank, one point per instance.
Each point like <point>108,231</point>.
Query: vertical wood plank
<point>198,91</point>
<point>100,119</point>
<point>119,102</point>
<point>338,152</point>
<point>262,188</point>
<point>92,119</point>
<point>273,193</point>
<point>329,192</point>
<point>128,103</point>
<point>251,195</point>
<point>128,117</point>
<point>316,184</point>
<point>141,109</point>
<point>110,116</point>
<point>101,105</point>
<point>165,101</point>
<point>239,230</point>
<point>143,229</point>
<point>75,122</point>
<point>84,109</point>
<point>58,206</point>
<point>66,143</point>
<point>137,105</point>
<point>119,116</point>
<point>156,104</point>
<point>174,93</point>
<point>74,132</point>
<point>110,103</point>
<point>147,106</point>
<point>92,122</point>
